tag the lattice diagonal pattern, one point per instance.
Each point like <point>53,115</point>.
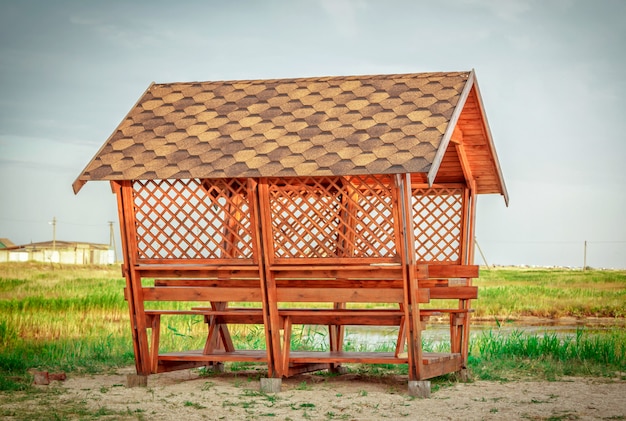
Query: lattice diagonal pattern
<point>327,217</point>
<point>192,219</point>
<point>437,216</point>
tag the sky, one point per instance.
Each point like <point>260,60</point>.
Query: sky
<point>550,74</point>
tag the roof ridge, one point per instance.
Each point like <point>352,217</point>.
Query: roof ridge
<point>381,76</point>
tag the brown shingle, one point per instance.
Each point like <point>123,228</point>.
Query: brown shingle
<point>312,126</point>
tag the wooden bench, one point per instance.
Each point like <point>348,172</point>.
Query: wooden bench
<point>294,285</point>
<point>453,282</point>
<point>336,286</point>
<point>216,321</point>
<point>369,284</point>
<point>197,284</point>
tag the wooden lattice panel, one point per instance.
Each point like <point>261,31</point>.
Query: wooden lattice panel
<point>192,219</point>
<point>332,217</point>
<point>437,217</point>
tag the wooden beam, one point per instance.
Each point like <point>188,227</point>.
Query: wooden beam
<point>465,163</point>
<point>457,136</point>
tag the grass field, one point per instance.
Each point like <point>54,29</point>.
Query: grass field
<point>75,319</point>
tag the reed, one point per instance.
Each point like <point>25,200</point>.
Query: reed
<point>508,354</point>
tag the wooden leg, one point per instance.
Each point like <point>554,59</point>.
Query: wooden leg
<point>453,335</point>
<point>458,332</point>
<point>336,336</point>
<point>211,341</point>
<point>154,322</point>
<point>336,332</point>
<point>225,340</point>
<point>401,342</point>
<point>286,344</point>
<point>465,332</point>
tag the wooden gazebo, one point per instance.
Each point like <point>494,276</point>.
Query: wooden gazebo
<point>327,191</point>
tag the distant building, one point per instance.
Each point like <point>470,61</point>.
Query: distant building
<point>5,243</point>
<point>79,253</point>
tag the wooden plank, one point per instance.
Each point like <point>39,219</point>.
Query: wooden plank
<point>452,271</point>
<point>168,366</point>
<point>356,317</point>
<point>198,271</point>
<point>336,276</point>
<point>202,294</point>
<point>439,367</point>
<point>217,355</point>
<point>338,270</point>
<point>461,293</point>
<point>314,261</point>
<point>196,261</point>
<point>320,295</point>
<point>303,357</point>
<point>439,311</point>
<point>295,369</point>
<point>207,283</point>
<point>339,283</point>
<point>435,360</point>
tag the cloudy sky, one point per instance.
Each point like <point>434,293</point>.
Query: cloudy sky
<point>550,73</point>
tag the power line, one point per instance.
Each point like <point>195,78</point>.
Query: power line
<point>556,242</point>
<point>30,221</point>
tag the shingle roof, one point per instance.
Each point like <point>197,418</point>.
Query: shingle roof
<point>289,127</point>
<point>5,243</point>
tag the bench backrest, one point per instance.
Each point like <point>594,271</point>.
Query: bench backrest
<point>307,284</point>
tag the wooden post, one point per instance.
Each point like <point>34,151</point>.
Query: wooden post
<point>275,360</point>
<point>411,301</point>
<point>134,296</point>
<point>466,304</point>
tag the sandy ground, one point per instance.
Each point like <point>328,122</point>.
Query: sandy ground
<point>185,395</point>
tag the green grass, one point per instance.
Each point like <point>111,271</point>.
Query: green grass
<point>74,318</point>
<point>498,355</point>
<point>551,293</point>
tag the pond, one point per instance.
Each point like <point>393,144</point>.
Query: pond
<point>436,333</point>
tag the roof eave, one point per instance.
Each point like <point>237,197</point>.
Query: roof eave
<point>81,180</point>
<point>445,140</point>
<point>503,190</point>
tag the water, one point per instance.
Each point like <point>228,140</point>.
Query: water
<point>439,332</point>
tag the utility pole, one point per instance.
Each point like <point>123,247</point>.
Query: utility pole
<point>585,257</point>
<point>481,252</point>
<point>54,237</point>
<point>54,233</point>
<point>112,241</point>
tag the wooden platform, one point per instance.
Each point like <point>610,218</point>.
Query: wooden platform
<point>435,364</point>
<point>217,356</point>
<point>365,357</point>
